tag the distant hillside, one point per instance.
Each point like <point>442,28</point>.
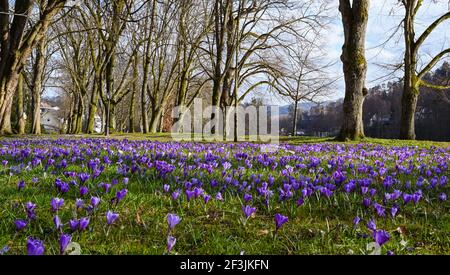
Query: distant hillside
<point>304,106</point>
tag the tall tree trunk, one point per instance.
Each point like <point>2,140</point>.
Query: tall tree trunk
<point>97,85</point>
<point>411,82</point>
<point>146,69</point>
<point>20,109</point>
<point>10,57</point>
<point>354,18</point>
<point>112,118</point>
<point>109,78</point>
<point>131,112</point>
<point>133,94</point>
<point>70,117</point>
<point>73,115</point>
<point>294,126</point>
<point>16,48</point>
<point>79,116</point>
<point>219,33</point>
<point>5,112</point>
<point>155,120</point>
<point>38,73</point>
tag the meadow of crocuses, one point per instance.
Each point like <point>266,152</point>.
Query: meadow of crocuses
<point>105,196</point>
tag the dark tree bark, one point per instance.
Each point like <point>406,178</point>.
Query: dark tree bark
<point>146,68</point>
<point>133,91</point>
<point>38,72</point>
<point>20,107</point>
<point>354,17</point>
<point>411,83</point>
<point>16,47</point>
<point>294,126</point>
<point>413,80</point>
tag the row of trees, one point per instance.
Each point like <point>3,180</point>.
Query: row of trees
<point>19,36</point>
<point>355,18</point>
<point>131,61</point>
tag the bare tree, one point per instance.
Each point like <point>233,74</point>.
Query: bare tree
<point>355,17</point>
<point>302,76</point>
<point>17,42</point>
<point>414,75</point>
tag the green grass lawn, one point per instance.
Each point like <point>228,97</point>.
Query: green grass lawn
<point>320,226</point>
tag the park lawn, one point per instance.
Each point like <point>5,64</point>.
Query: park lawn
<point>320,226</point>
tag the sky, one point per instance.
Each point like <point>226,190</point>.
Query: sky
<point>384,17</point>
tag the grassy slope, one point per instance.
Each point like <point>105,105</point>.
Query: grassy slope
<point>319,228</point>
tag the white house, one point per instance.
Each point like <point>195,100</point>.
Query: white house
<point>50,119</point>
<point>52,122</point>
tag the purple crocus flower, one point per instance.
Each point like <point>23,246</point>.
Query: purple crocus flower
<point>247,197</point>
<point>166,188</point>
<point>57,222</point>
<point>443,197</point>
<point>226,165</point>
<point>219,197</point>
<point>171,241</point>
<point>381,237</point>
<point>306,192</point>
<point>356,220</point>
<point>111,217</point>
<point>339,177</point>
<point>125,180</point>
<point>416,197</point>
<point>4,250</point>
<point>106,187</point>
<point>79,203</point>
<point>173,220</point>
<point>372,225</point>
<point>206,198</point>
<point>175,195</point>
<point>380,209</point>
<point>83,223</point>
<point>21,185</point>
<point>83,177</point>
<point>366,202</point>
<point>64,241</point>
<point>189,194</point>
<point>326,192</point>
<point>35,247</point>
<point>390,253</point>
<point>73,224</point>
<point>349,187</point>
<point>121,194</point>
<point>95,201</point>
<point>63,187</point>
<point>248,210</point>
<point>83,191</point>
<point>280,220</point>
<point>56,204</point>
<point>29,206</point>
<point>394,211</point>
<point>300,202</point>
<point>214,183</point>
<point>364,190</point>
<point>20,224</point>
<point>407,198</point>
